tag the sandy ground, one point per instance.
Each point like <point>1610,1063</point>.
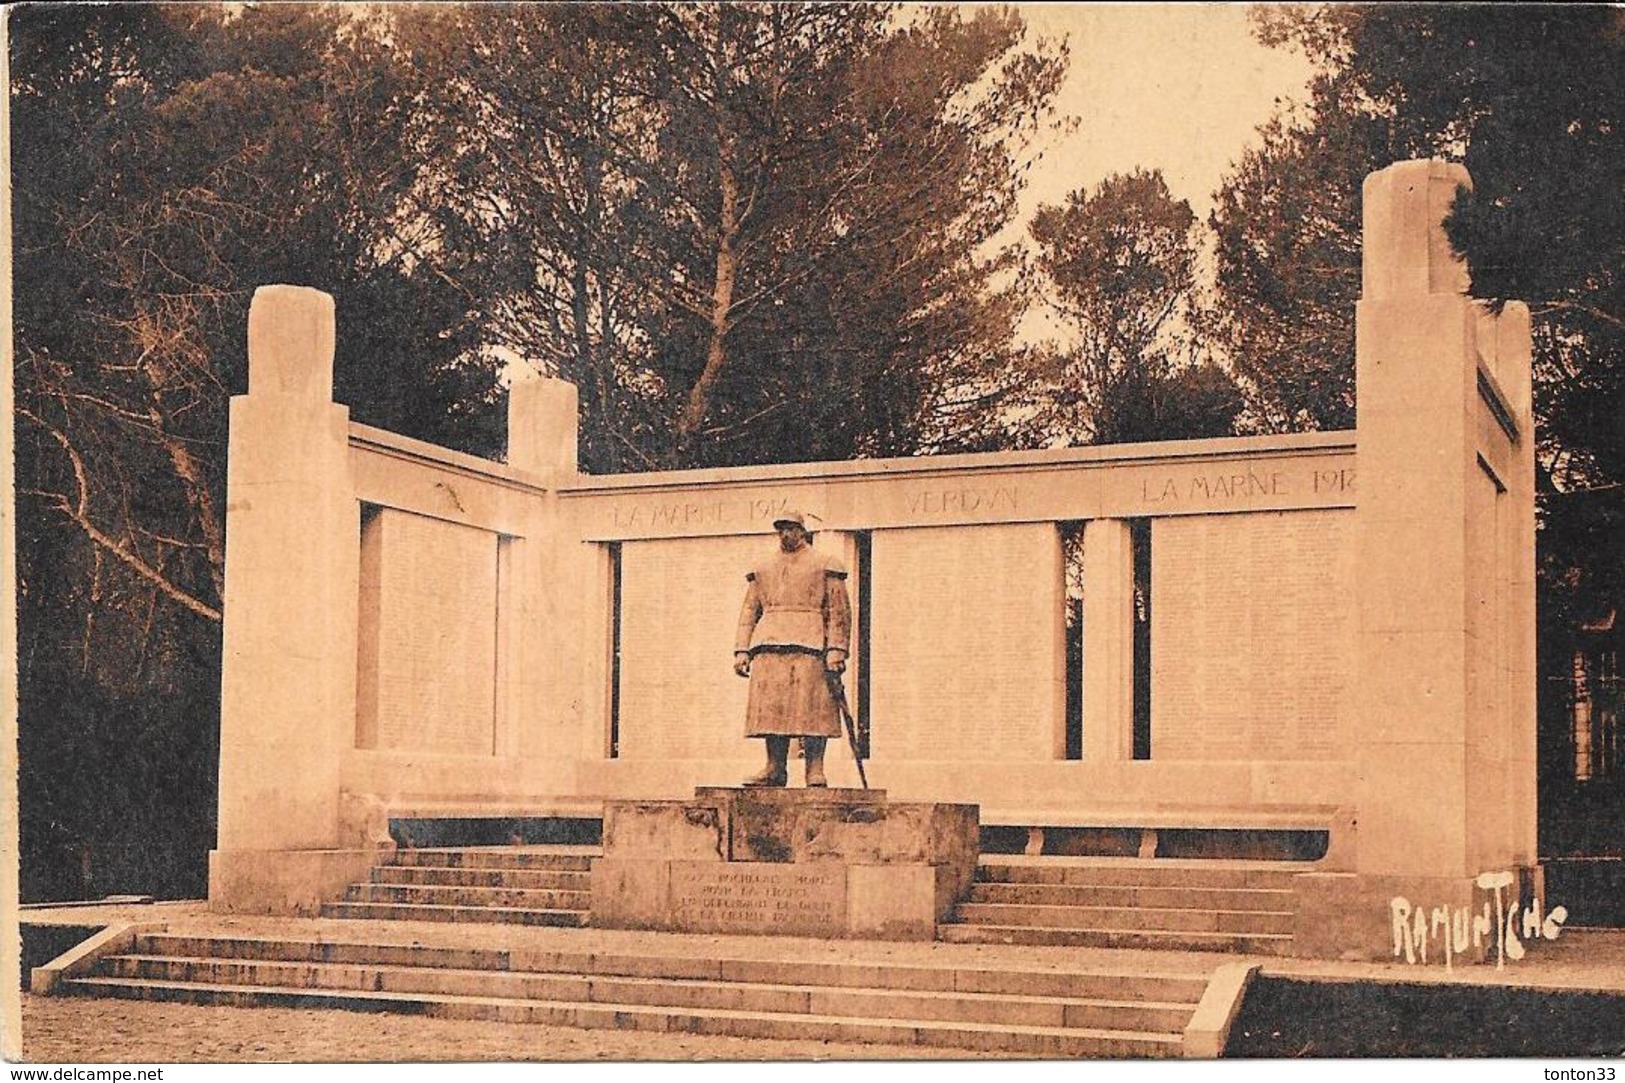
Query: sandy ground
<point>77,1030</point>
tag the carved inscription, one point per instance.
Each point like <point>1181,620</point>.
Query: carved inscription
<point>710,514</point>
<point>660,514</point>
<point>679,607</point>
<point>436,636</point>
<point>1238,485</point>
<point>1250,653</point>
<point>753,897</point>
<point>1333,481</point>
<point>953,501</point>
<point>969,619</point>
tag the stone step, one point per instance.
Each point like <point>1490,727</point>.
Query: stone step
<point>1129,917</point>
<point>1179,898</point>
<point>536,879</point>
<point>457,895</point>
<point>1126,873</point>
<point>1148,939</point>
<point>1038,1041</point>
<point>509,915</point>
<point>556,859</point>
<point>1085,984</point>
<point>963,1007</point>
<point>218,946</point>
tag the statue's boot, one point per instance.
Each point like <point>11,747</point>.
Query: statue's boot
<point>812,748</point>
<point>777,772</point>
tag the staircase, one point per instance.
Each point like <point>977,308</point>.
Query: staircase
<point>518,885</point>
<point>1041,1013</point>
<point>1197,905</point>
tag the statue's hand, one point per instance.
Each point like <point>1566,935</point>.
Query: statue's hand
<point>742,663</point>
<point>835,661</point>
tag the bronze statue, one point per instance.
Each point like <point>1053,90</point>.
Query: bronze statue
<point>795,627</point>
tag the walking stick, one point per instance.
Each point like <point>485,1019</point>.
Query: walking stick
<point>838,690</point>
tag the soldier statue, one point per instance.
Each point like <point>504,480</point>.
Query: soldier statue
<point>795,628</point>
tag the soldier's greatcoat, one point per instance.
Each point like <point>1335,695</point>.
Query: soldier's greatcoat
<point>796,608</point>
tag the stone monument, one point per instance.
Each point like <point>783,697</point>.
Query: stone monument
<point>1338,638</point>
<point>818,862</point>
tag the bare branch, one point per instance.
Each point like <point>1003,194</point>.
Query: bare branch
<point>77,509</point>
<point>1575,306</point>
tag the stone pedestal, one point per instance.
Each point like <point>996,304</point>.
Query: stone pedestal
<point>790,862</point>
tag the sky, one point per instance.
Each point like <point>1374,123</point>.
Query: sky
<point>1177,86</point>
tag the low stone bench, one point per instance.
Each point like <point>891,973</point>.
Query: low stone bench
<point>545,808</point>
<point>368,820</point>
<point>1336,821</point>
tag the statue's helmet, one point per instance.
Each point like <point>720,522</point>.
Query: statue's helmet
<point>792,517</point>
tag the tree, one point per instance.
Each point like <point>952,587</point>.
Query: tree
<point>1529,99</point>
<point>168,161</point>
<point>748,214</point>
<point>1121,262</point>
<point>535,147</point>
<point>1287,230</point>
<point>260,163</point>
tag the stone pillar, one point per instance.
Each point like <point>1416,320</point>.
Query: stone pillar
<point>1444,550</point>
<point>542,424</point>
<point>1108,641</point>
<point>287,711</point>
<point>543,582</point>
<point>1444,577</point>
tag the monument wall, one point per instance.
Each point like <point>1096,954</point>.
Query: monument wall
<point>967,634</point>
<point>1252,640</point>
<point>679,607</point>
<point>427,655</point>
<point>459,633</point>
<point>1337,619</point>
